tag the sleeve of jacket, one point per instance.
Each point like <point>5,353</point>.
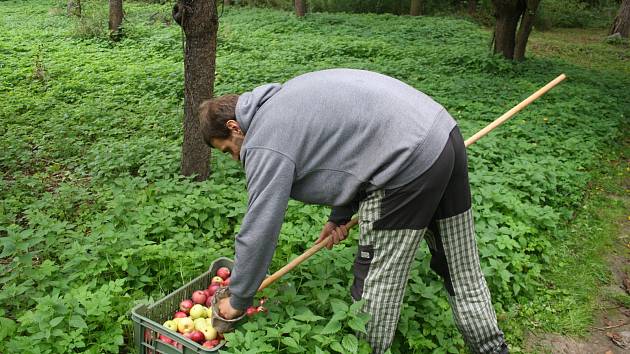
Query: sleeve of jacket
<point>269,180</point>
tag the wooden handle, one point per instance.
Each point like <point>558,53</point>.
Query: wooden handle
<point>309,252</point>
<point>509,114</point>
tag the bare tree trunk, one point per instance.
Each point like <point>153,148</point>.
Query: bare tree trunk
<point>74,8</point>
<point>300,8</point>
<point>507,15</point>
<point>115,18</point>
<point>200,24</point>
<point>525,28</point>
<point>621,24</point>
<point>415,8</point>
<point>472,7</point>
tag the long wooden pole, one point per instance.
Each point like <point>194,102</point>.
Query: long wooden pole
<point>509,114</point>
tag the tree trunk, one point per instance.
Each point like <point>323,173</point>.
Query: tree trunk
<point>507,14</point>
<point>621,24</point>
<point>74,8</point>
<point>525,28</point>
<point>200,24</point>
<point>300,8</point>
<point>227,2</point>
<point>115,18</point>
<point>416,8</point>
<point>472,7</point>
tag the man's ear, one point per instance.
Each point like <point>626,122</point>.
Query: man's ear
<point>233,126</point>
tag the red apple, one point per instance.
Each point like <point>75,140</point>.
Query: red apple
<point>226,282</point>
<point>251,311</point>
<point>223,272</point>
<point>213,288</point>
<point>215,342</point>
<point>166,339</point>
<point>197,336</point>
<point>207,344</point>
<point>180,314</point>
<point>216,280</point>
<point>199,297</point>
<point>207,293</point>
<point>185,305</point>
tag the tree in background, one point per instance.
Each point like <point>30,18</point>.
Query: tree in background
<point>200,24</point>
<point>621,24</point>
<point>227,2</point>
<point>300,8</point>
<point>74,8</point>
<point>509,13</point>
<point>115,19</point>
<point>472,7</point>
<point>416,8</point>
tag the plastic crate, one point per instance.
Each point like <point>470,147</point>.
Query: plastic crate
<point>148,320</point>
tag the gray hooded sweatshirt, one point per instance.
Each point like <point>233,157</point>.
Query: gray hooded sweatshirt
<point>326,137</point>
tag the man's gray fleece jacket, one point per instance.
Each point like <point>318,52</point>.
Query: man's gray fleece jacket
<point>326,137</point>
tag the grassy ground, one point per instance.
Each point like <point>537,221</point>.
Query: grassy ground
<point>595,250</point>
<point>582,47</point>
<point>95,218</point>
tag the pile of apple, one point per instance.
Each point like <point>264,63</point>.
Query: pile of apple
<point>194,318</point>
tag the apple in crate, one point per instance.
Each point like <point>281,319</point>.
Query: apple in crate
<point>185,305</point>
<point>223,272</point>
<point>201,324</point>
<point>197,336</point>
<point>209,333</point>
<point>216,280</point>
<point>170,324</point>
<point>166,339</point>
<point>180,314</point>
<point>211,343</point>
<point>185,325</point>
<point>198,311</point>
<point>213,288</point>
<point>199,297</point>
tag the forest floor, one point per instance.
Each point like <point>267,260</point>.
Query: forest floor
<point>604,223</point>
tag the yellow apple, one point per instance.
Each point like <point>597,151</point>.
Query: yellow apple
<point>198,311</point>
<point>200,324</point>
<point>171,324</point>
<point>185,325</point>
<point>210,333</point>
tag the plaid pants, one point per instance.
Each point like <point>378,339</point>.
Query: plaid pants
<point>435,206</point>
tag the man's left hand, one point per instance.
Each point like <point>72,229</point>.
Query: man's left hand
<point>226,310</point>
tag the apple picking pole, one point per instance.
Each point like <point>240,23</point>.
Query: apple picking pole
<point>509,114</point>
<point>309,252</point>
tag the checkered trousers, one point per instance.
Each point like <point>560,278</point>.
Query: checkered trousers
<point>382,267</point>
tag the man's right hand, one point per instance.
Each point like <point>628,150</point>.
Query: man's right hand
<point>338,232</point>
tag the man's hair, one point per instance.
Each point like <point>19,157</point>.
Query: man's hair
<point>213,114</point>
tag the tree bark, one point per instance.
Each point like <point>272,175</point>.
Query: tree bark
<point>200,24</point>
<point>525,28</point>
<point>300,8</point>
<point>472,7</point>
<point>621,24</point>
<point>74,8</point>
<point>507,15</point>
<point>415,8</point>
<point>115,18</point>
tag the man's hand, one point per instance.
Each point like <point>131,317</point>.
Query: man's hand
<point>226,310</point>
<point>338,232</point>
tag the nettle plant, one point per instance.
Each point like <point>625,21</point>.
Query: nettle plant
<point>95,217</point>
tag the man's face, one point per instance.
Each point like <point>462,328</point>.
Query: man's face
<point>231,145</point>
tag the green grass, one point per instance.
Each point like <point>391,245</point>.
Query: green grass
<point>95,218</point>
